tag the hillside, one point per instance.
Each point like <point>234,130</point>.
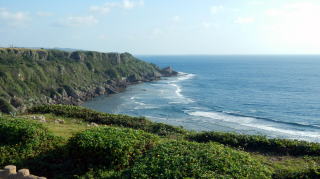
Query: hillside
<point>39,76</point>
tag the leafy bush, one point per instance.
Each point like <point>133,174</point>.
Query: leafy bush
<point>259,143</point>
<point>180,159</point>
<point>165,129</point>
<point>109,146</point>
<point>102,174</point>
<point>21,139</point>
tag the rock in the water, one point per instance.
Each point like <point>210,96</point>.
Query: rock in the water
<point>168,71</point>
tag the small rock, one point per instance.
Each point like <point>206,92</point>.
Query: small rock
<point>59,121</point>
<point>94,124</point>
<point>42,120</point>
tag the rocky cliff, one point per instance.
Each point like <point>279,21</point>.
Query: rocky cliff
<point>29,77</point>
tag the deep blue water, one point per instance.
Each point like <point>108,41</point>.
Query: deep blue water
<point>276,96</point>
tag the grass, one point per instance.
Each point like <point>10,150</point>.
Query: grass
<point>281,165</point>
<point>172,143</point>
<point>70,127</point>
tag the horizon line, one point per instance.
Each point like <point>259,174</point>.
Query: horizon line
<point>310,54</point>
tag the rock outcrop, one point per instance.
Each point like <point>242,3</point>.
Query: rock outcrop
<point>168,71</point>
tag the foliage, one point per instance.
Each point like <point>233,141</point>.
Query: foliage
<point>110,147</point>
<point>259,143</point>
<point>180,159</point>
<point>21,139</point>
<point>101,174</point>
<point>165,129</point>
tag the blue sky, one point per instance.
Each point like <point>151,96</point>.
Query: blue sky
<point>164,26</point>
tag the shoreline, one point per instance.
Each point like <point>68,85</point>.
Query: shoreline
<point>191,119</point>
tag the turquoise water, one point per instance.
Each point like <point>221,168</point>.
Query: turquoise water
<point>276,96</point>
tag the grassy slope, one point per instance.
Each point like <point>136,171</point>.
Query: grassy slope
<point>282,166</point>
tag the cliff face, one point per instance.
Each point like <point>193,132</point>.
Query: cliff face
<point>29,77</point>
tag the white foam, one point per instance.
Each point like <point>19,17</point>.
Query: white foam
<point>174,102</point>
<point>185,76</point>
<point>286,131</point>
<point>179,95</point>
<point>140,103</point>
<point>178,90</point>
<point>146,107</point>
<point>248,122</point>
<point>222,117</point>
<point>181,77</point>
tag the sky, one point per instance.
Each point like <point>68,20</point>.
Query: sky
<point>164,27</point>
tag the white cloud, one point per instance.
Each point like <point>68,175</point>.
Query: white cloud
<point>141,3</point>
<point>127,4</point>
<point>102,37</point>
<point>100,9</point>
<point>13,18</point>
<point>257,2</point>
<point>107,7</point>
<point>301,9</point>
<point>44,14</point>
<point>216,9</point>
<point>176,18</point>
<point>296,23</point>
<point>156,31</point>
<point>206,25</point>
<point>244,20</point>
<point>79,21</point>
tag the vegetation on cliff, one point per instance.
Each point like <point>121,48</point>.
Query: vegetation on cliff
<point>139,148</point>
<point>29,76</point>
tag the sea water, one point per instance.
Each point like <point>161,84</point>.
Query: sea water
<point>275,96</point>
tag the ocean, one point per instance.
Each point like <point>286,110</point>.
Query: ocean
<point>275,96</point>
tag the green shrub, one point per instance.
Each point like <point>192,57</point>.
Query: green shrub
<point>21,139</point>
<point>5,106</point>
<point>165,129</point>
<point>109,146</point>
<point>259,143</point>
<point>101,174</point>
<point>180,159</point>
